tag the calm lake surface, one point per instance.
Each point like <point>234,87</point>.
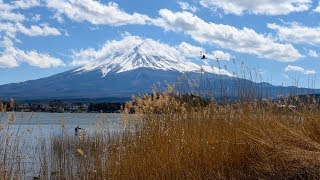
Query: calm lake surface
<point>48,124</point>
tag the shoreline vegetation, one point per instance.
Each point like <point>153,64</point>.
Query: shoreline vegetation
<point>60,106</point>
<point>172,135</point>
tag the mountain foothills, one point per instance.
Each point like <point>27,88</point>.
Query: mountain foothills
<point>121,74</point>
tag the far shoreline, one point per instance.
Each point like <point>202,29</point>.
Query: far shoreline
<point>60,106</point>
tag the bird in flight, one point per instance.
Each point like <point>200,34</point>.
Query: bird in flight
<point>204,57</point>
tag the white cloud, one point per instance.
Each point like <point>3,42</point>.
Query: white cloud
<point>39,60</point>
<point>7,14</point>
<point>6,61</point>
<point>220,55</point>
<point>7,10</point>
<point>216,70</point>
<point>290,68</point>
<point>189,50</point>
<point>297,34</point>
<point>57,16</point>
<point>85,56</point>
<point>95,12</point>
<point>10,29</point>
<point>10,24</point>
<point>42,30</point>
<point>187,7</point>
<point>313,53</point>
<point>318,8</point>
<point>36,18</point>
<point>265,7</point>
<point>125,34</point>
<point>225,36</point>
<point>25,4</point>
<point>12,57</point>
<point>10,16</point>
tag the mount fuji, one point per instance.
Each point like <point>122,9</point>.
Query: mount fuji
<point>123,73</point>
<point>149,55</point>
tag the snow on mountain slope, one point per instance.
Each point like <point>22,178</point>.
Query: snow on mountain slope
<point>134,53</point>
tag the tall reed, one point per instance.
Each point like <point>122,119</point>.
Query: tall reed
<point>167,137</point>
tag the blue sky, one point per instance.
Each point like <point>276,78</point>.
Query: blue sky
<point>278,41</point>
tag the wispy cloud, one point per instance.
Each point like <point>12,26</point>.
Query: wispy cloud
<point>10,29</point>
<point>189,50</point>
<point>265,7</point>
<point>187,7</point>
<point>25,4</point>
<point>13,57</point>
<point>7,14</point>
<point>12,23</point>
<point>318,8</point>
<point>299,69</point>
<point>297,34</point>
<point>95,12</point>
<point>313,53</point>
<point>241,40</point>
<point>7,10</point>
<point>220,55</point>
<point>36,18</point>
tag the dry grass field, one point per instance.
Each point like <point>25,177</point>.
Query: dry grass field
<point>165,136</point>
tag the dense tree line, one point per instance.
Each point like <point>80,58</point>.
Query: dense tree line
<point>61,106</point>
<point>106,107</point>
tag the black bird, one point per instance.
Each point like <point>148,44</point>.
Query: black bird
<point>203,57</point>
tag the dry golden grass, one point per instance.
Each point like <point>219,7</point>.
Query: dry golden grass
<point>11,166</point>
<point>165,136</point>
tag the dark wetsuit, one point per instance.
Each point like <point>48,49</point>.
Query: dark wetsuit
<point>76,131</point>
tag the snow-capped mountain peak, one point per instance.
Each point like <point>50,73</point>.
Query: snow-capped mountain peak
<point>133,53</point>
<point>144,55</point>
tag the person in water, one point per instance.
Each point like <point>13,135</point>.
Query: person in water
<point>76,130</point>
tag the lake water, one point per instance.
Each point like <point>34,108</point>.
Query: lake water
<point>47,124</point>
<point>31,128</point>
